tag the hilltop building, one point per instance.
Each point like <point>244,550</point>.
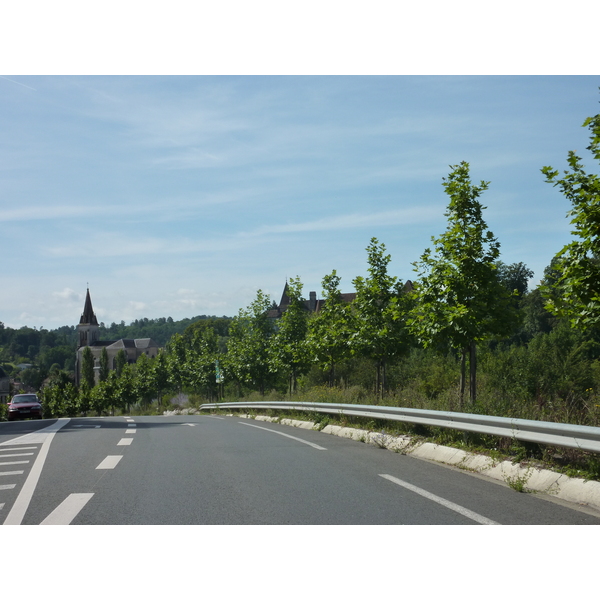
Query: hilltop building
<point>313,304</point>
<point>89,336</point>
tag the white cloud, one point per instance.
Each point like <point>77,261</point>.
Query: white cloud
<point>68,294</point>
<point>403,216</point>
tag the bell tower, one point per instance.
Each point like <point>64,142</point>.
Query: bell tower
<point>89,330</point>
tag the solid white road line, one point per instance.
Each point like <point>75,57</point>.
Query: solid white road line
<point>8,486</point>
<point>465,512</point>
<point>69,508</point>
<point>20,454</point>
<point>284,435</point>
<point>12,473</point>
<point>13,449</point>
<point>110,462</point>
<point>46,435</point>
<point>124,442</point>
<point>15,462</point>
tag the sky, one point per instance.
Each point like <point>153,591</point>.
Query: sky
<point>177,162</point>
<point>183,195</point>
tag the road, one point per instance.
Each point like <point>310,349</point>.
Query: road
<point>201,469</point>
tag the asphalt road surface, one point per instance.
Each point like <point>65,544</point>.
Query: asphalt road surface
<point>193,470</point>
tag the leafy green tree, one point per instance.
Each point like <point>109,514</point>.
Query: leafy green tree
<point>201,358</point>
<point>33,377</point>
<point>459,298</point>
<point>127,392</point>
<point>104,367</point>
<point>160,372</point>
<point>329,331</point>
<point>120,362</point>
<point>55,355</point>
<point>87,368</point>
<point>288,350</point>
<point>103,395</point>
<point>381,311</point>
<point>84,398</point>
<point>515,278</point>
<point>144,379</point>
<point>59,396</point>
<point>250,332</point>
<point>176,362</point>
<point>576,293</point>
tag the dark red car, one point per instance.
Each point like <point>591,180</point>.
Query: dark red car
<point>24,406</point>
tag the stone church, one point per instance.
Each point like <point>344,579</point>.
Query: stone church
<point>89,334</point>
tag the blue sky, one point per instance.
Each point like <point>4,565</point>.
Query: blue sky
<point>181,196</point>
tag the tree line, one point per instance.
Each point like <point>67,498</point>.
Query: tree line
<point>47,351</point>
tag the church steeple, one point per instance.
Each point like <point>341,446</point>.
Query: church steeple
<point>88,317</point>
<point>89,330</point>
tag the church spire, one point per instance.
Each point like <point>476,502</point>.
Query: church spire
<point>88,317</point>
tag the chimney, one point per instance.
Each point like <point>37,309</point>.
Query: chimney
<point>312,302</point>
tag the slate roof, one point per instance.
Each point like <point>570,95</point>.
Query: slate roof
<point>123,343</point>
<point>145,343</point>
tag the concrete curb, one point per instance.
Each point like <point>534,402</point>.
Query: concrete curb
<point>575,490</point>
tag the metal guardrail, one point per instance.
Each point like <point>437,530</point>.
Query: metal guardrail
<point>581,437</point>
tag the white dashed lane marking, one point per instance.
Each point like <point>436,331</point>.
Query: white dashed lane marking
<point>110,462</point>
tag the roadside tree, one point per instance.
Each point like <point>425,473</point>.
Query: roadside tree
<point>248,344</point>
<point>380,315</point>
<point>87,368</point>
<point>330,330</point>
<point>575,294</point>
<point>460,299</point>
<point>288,348</point>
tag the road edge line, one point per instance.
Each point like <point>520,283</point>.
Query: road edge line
<point>19,508</point>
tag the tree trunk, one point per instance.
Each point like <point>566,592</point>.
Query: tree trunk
<point>473,373</point>
<point>462,378</point>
